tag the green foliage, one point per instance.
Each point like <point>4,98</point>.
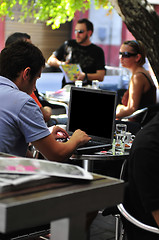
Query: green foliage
<point>53,12</point>
<point>102,3</point>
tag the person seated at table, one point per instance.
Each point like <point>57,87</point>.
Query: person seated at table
<point>21,121</point>
<point>81,51</point>
<point>141,198</point>
<point>142,90</point>
<point>46,111</point>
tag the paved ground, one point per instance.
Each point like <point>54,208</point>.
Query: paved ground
<point>103,228</point>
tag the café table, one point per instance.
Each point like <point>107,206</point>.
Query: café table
<point>62,204</point>
<point>88,159</point>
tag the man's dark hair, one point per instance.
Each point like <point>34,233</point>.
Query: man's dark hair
<point>18,56</point>
<point>89,25</point>
<point>17,36</point>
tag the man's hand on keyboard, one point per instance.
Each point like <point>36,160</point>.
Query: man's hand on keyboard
<point>81,137</point>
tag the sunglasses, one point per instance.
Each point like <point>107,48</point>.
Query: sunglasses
<point>126,54</point>
<point>79,31</point>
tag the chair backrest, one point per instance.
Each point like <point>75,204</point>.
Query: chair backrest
<point>150,113</point>
<point>134,221</point>
<point>137,113</point>
<point>123,211</point>
<point>146,114</point>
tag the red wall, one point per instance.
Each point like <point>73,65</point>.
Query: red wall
<point>157,8</point>
<point>78,15</point>
<point>2,30</point>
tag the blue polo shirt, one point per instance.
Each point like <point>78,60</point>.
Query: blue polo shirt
<point>21,120</point>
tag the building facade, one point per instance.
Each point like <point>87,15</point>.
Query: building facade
<point>109,32</point>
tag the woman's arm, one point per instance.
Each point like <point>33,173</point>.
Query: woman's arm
<point>155,215</point>
<point>136,90</point>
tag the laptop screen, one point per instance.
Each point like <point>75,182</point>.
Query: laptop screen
<point>92,111</point>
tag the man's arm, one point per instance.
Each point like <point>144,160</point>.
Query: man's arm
<point>54,150</point>
<point>54,62</point>
<point>99,75</point>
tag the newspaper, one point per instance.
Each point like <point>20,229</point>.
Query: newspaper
<point>16,172</point>
<point>31,166</point>
<point>70,71</point>
<point>9,182</point>
<point>60,95</point>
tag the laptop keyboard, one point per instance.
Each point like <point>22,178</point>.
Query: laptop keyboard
<point>93,146</point>
<point>92,143</point>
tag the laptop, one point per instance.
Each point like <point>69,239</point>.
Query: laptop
<point>93,111</point>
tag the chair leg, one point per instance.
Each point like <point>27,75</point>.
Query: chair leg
<point>119,230</point>
<point>117,227</point>
<point>88,235</point>
<point>43,238</point>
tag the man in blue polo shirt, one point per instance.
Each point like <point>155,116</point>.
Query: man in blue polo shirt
<point>21,121</point>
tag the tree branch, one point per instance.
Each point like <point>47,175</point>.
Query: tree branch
<point>143,22</point>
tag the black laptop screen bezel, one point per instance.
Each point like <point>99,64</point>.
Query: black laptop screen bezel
<point>101,131</point>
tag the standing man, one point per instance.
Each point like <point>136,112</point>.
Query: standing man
<point>21,121</point>
<point>83,52</point>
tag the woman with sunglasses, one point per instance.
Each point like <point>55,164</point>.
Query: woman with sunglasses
<point>142,91</point>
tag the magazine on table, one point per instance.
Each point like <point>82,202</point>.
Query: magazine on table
<point>70,71</point>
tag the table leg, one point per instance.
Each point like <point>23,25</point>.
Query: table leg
<point>60,229</point>
<point>69,228</point>
<point>88,165</point>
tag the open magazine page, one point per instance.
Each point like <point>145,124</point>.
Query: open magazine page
<point>42,167</point>
<point>70,71</point>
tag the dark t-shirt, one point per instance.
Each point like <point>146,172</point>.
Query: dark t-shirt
<point>91,58</point>
<point>142,192</point>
